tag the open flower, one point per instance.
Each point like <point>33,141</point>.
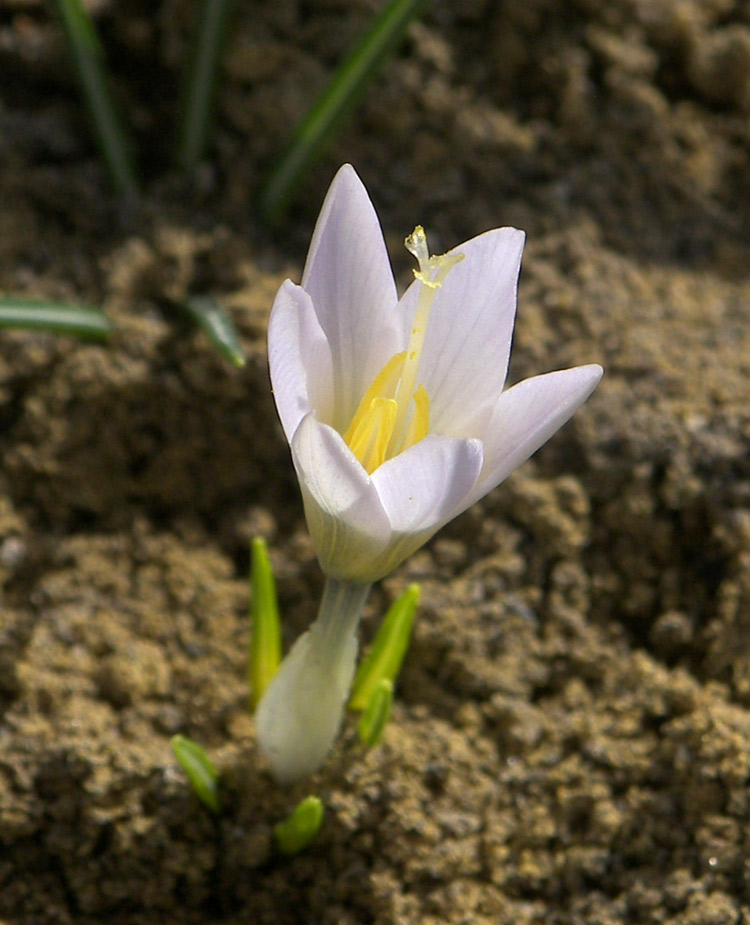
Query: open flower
<point>394,408</point>
<point>397,420</point>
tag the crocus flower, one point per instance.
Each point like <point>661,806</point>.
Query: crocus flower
<point>395,409</point>
<point>397,419</point>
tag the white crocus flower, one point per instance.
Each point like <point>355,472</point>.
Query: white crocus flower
<point>397,421</point>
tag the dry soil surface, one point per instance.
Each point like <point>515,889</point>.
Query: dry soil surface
<point>571,738</point>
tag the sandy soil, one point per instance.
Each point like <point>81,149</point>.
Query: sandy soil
<point>571,739</point>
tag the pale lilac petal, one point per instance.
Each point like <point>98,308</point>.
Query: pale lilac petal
<point>465,357</point>
<point>299,359</point>
<point>526,416</point>
<point>349,277</point>
<point>421,490</point>
<point>421,487</point>
<point>348,525</point>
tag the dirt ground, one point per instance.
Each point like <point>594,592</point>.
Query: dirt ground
<point>571,738</point>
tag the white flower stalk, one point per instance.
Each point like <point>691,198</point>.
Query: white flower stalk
<point>396,415</point>
<point>300,713</point>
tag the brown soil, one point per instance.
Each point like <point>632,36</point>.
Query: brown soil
<point>571,740</point>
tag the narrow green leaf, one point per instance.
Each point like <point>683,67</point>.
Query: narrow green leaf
<point>88,57</point>
<point>265,641</point>
<point>297,831</point>
<point>217,326</point>
<point>384,659</point>
<point>30,314</point>
<point>375,717</point>
<point>200,82</point>
<point>347,85</point>
<point>200,770</point>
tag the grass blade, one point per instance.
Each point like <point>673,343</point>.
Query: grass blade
<point>32,315</point>
<point>200,82</point>
<point>375,717</point>
<point>296,832</point>
<point>347,85</point>
<point>88,57</point>
<point>265,641</point>
<point>384,659</point>
<point>200,770</point>
<point>217,326</point>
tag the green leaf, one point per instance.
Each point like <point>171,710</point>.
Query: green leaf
<point>30,314</point>
<point>375,717</point>
<point>295,833</point>
<point>347,85</point>
<point>200,770</point>
<point>217,326</point>
<point>265,641</point>
<point>200,82</point>
<point>88,57</point>
<point>384,659</point>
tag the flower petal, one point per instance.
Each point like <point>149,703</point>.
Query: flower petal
<point>348,525</point>
<point>299,359</point>
<point>349,277</point>
<point>526,416</point>
<point>465,356</point>
<point>422,489</point>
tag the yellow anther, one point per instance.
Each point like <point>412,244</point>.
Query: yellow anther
<point>371,437</point>
<point>419,426</point>
<point>383,385</point>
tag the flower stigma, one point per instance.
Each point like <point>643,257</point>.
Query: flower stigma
<point>394,412</point>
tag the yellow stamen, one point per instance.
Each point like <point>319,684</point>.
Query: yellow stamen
<point>383,384</point>
<point>419,426</point>
<point>379,429</point>
<point>371,437</point>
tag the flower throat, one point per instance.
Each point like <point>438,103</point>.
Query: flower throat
<point>385,423</point>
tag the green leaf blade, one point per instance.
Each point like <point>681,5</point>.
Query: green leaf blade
<point>347,85</point>
<point>388,651</point>
<point>88,58</point>
<point>298,830</point>
<point>55,318</point>
<point>199,769</point>
<point>375,717</point>
<point>200,82</point>
<point>265,638</point>
<point>217,326</point>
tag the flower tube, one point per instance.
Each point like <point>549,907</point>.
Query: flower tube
<point>395,409</point>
